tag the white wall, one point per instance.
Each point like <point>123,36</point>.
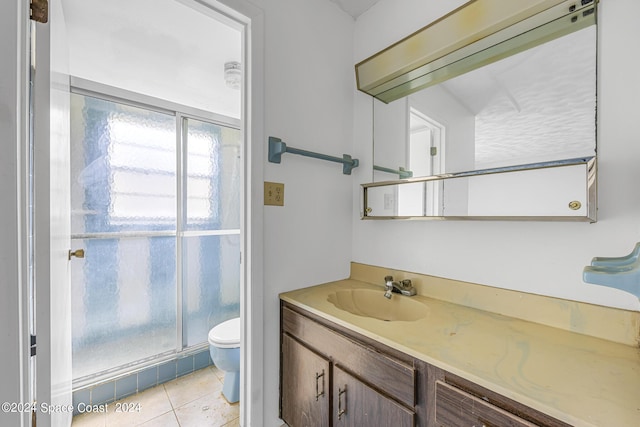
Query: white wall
<point>390,137</point>
<point>538,257</point>
<point>309,80</point>
<point>159,48</point>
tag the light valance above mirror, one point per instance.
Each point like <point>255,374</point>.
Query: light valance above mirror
<point>459,42</point>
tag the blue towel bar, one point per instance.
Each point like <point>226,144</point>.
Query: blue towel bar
<point>401,172</point>
<point>277,148</point>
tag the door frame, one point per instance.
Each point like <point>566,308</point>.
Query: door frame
<point>14,128</point>
<point>251,17</point>
<point>16,23</point>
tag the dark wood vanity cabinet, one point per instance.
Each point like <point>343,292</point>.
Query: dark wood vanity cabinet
<point>459,402</point>
<point>304,385</point>
<point>454,407</point>
<point>356,404</point>
<point>306,394</point>
<point>328,378</point>
<point>331,376</point>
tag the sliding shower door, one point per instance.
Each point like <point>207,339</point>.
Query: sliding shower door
<point>211,228</point>
<point>155,206</point>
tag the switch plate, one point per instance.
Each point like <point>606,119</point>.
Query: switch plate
<point>273,193</point>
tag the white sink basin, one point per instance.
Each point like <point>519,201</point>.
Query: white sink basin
<point>372,303</point>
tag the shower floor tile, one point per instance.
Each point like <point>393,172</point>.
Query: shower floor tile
<point>189,401</point>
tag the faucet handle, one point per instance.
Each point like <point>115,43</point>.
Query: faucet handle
<point>407,288</point>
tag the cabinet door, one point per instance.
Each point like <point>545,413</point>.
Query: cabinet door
<point>305,386</point>
<point>355,405</point>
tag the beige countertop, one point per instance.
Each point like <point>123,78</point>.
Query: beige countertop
<point>579,379</point>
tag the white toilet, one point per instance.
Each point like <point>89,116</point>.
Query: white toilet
<point>224,347</point>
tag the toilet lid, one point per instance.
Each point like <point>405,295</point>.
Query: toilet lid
<point>226,334</point>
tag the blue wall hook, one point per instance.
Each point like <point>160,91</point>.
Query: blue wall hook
<point>616,272</point>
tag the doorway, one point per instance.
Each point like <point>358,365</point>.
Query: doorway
<point>425,142</point>
<point>53,382</point>
<point>156,171</point>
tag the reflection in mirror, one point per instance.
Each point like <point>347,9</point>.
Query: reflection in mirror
<point>563,190</point>
<point>536,106</point>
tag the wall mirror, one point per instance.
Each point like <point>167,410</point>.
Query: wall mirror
<point>528,118</point>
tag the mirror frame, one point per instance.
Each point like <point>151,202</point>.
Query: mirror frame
<point>590,164</point>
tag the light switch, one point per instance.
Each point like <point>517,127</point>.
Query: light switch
<point>274,193</point>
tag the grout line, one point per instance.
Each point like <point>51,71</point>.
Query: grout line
<point>164,387</point>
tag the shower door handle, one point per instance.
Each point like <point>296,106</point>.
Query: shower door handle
<point>78,253</point>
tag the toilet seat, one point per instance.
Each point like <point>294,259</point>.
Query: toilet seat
<point>226,334</point>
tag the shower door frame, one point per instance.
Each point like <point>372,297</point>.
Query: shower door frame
<point>181,113</point>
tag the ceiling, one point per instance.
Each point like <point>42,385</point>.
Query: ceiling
<point>167,36</point>
<point>355,8</point>
<point>159,48</point>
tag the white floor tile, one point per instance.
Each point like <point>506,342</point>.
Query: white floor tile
<point>167,420</point>
<point>191,387</point>
<point>211,410</point>
<point>194,400</point>
<point>139,408</point>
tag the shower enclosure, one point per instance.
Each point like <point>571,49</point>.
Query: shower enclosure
<point>155,204</point>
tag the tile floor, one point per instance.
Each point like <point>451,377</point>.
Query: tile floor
<point>193,400</point>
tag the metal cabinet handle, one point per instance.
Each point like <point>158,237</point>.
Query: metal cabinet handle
<point>341,410</point>
<point>78,253</point>
<point>319,393</point>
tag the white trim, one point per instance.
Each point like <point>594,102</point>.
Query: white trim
<point>26,305</point>
<point>433,191</point>
<point>251,19</point>
<point>14,73</point>
<point>438,132</point>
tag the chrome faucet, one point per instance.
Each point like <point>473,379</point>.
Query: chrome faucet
<point>403,287</point>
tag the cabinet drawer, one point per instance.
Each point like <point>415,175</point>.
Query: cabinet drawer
<point>396,378</point>
<point>456,408</point>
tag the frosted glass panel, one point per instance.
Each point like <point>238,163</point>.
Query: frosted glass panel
<point>123,302</point>
<point>211,283</point>
<point>213,177</point>
<point>124,177</point>
<point>123,167</point>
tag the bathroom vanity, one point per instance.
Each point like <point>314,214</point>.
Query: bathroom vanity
<point>455,366</point>
<point>324,367</point>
